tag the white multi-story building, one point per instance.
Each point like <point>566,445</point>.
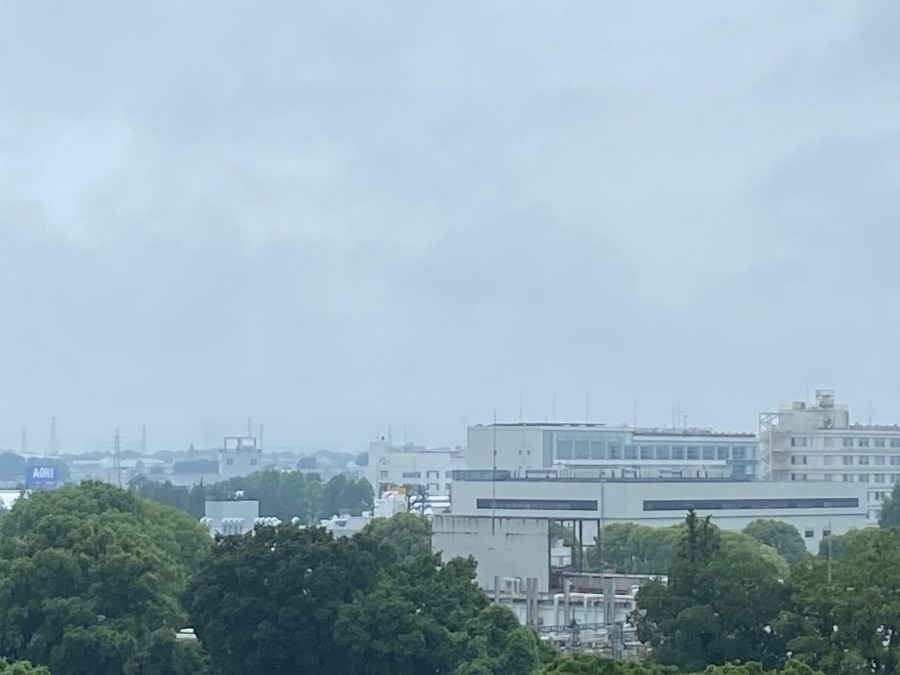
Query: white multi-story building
<point>412,466</point>
<point>817,442</point>
<point>618,451</point>
<point>239,456</point>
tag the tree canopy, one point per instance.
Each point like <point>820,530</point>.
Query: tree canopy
<point>379,602</point>
<point>717,606</point>
<point>282,494</point>
<point>781,536</point>
<point>90,581</point>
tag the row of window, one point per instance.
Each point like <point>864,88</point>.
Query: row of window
<point>851,460</point>
<point>230,462</point>
<point>740,504</point>
<point>583,449</point>
<point>846,442</point>
<point>852,477</point>
<point>673,504</point>
<point>428,474</point>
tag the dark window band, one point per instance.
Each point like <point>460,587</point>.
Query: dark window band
<point>539,504</point>
<point>738,504</point>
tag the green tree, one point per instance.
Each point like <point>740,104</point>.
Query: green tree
<point>91,576</point>
<point>781,536</point>
<point>844,615</point>
<point>21,668</point>
<point>717,607</point>
<point>890,510</point>
<point>408,534</point>
<point>629,548</point>
<point>267,602</point>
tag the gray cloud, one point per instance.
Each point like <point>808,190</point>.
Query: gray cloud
<point>336,218</point>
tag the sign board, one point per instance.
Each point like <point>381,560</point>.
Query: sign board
<point>40,476</point>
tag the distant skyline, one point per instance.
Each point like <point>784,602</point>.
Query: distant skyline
<point>335,218</point>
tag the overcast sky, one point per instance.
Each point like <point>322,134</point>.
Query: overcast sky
<point>338,217</point>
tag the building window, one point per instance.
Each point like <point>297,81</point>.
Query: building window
<point>879,442</point>
<point>630,452</point>
<point>564,449</point>
<point>895,461</point>
<point>582,449</point>
<point>798,459</point>
<point>808,534</point>
<point>847,442</point>
<point>646,452</point>
<point>829,477</point>
<point>828,460</point>
<point>895,442</point>
<point>614,452</point>
<point>879,460</point>
<point>863,442</point>
<point>229,462</point>
<point>738,452</point>
<point>741,504</point>
<point>863,478</point>
<point>848,460</point>
<point>412,474</point>
<point>598,450</point>
<point>383,473</point>
<point>879,477</point>
<point>864,460</point>
<point>848,478</point>
<point>722,453</point>
<point>537,504</point>
<point>433,487</point>
<point>253,462</point>
<point>677,452</point>
<point>448,474</point>
<point>828,442</point>
<point>693,452</point>
<point>447,486</point>
<point>709,453</point>
<point>798,442</point>
<point>826,532</point>
<point>432,474</point>
<point>663,452</point>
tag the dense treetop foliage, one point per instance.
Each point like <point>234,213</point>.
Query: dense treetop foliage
<point>90,578</point>
<point>282,494</point>
<point>717,606</point>
<point>590,664</point>
<point>379,602</point>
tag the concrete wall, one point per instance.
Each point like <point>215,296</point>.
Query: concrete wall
<point>391,465</point>
<point>503,547</point>
<point>608,502</point>
<point>517,448</point>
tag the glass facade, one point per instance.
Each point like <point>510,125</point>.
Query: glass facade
<point>596,447</point>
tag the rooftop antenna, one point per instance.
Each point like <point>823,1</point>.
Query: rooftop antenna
<point>679,411</point>
<point>806,398</point>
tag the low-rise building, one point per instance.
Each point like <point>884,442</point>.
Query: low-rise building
<point>428,470</point>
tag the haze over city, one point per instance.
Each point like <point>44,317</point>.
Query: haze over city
<point>336,219</point>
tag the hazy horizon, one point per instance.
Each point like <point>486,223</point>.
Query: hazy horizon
<point>336,218</point>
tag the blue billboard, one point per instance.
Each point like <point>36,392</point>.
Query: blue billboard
<point>40,476</point>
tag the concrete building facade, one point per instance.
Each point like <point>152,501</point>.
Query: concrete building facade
<point>815,509</point>
<point>619,452</point>
<point>239,456</point>
<point>428,469</point>
<point>805,443</point>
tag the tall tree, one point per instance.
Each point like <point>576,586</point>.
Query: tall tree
<point>890,510</point>
<point>717,607</point>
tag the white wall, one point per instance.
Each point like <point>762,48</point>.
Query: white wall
<point>623,501</point>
